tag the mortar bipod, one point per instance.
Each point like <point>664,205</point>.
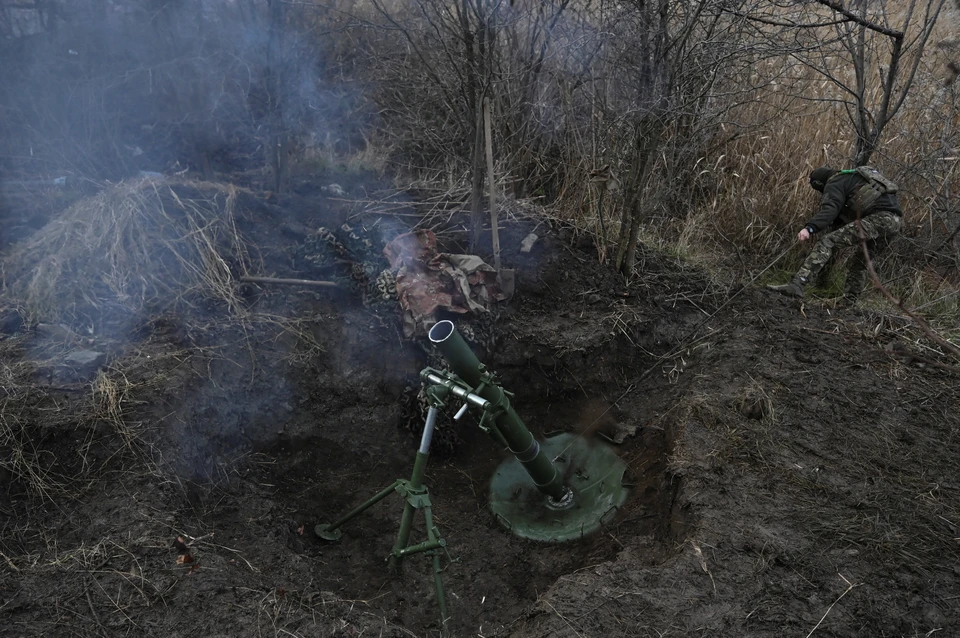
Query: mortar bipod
<point>416,497</point>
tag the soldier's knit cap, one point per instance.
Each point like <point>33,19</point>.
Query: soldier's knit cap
<point>819,177</point>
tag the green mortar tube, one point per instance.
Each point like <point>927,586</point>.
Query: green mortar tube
<point>520,441</point>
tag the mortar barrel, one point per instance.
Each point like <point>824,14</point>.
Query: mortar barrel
<point>520,441</point>
<point>455,350</point>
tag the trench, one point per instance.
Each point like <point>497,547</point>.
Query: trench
<point>490,575</point>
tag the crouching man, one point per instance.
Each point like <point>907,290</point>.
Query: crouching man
<point>862,192</point>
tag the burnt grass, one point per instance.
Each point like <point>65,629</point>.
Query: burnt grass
<point>795,471</point>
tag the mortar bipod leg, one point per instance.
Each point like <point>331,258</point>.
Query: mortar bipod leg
<point>433,537</point>
<point>412,491</point>
<point>331,531</point>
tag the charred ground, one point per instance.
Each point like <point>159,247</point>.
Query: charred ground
<point>795,463</point>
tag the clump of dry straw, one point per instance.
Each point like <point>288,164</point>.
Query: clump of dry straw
<point>140,245</point>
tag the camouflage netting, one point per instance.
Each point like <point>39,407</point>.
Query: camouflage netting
<point>352,255</point>
<point>140,245</point>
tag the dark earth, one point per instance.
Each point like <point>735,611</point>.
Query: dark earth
<point>795,462</point>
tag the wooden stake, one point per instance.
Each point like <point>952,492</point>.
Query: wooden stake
<point>491,185</point>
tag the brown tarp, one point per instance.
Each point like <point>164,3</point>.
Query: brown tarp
<point>428,281</point>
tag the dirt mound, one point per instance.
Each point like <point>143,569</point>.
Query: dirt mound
<point>792,474</point>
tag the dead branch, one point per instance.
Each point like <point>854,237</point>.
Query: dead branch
<point>294,282</point>
<point>850,586</point>
<point>927,330</point>
<point>853,17</point>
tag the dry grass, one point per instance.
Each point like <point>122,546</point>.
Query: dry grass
<point>139,245</point>
<point>739,203</point>
<point>23,460</point>
<point>47,448</point>
<point>111,394</point>
<point>127,254</point>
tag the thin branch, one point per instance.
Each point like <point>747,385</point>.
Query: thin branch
<point>927,330</point>
<point>836,6</point>
<point>296,282</point>
<point>845,592</point>
<point>789,25</point>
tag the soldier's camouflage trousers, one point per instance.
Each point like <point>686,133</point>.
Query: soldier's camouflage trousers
<point>880,229</point>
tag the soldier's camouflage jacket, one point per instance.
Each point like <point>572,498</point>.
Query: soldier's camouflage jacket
<point>837,208</point>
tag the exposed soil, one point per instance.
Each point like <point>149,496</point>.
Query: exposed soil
<point>795,463</point>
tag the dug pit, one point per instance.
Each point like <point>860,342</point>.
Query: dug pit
<point>229,418</point>
<point>489,574</point>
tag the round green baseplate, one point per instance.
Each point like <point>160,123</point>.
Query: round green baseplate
<point>591,469</point>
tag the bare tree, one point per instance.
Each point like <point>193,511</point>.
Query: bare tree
<point>627,90</point>
<point>465,52</point>
<point>881,44</point>
<point>681,75</point>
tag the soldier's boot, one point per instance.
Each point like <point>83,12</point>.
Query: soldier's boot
<point>793,288</point>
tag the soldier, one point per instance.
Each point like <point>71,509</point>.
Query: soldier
<point>862,192</point>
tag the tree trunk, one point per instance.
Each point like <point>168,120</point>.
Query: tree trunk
<point>277,144</point>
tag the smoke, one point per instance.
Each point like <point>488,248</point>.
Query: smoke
<point>103,89</point>
<point>107,109</point>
